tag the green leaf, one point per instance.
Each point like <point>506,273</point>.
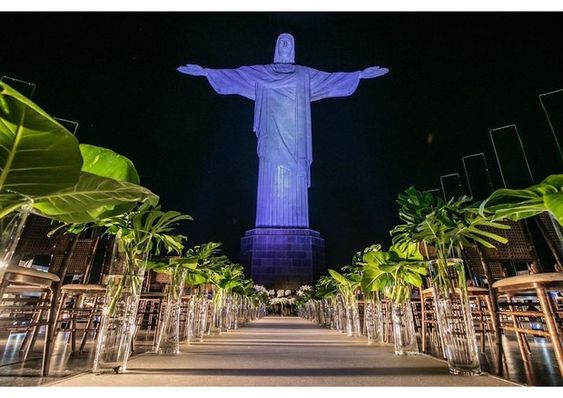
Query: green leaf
<point>406,250</point>
<point>195,279</point>
<point>81,203</point>
<point>376,257</point>
<point>370,277</point>
<point>413,279</point>
<point>106,163</point>
<point>38,156</point>
<point>339,278</point>
<point>554,204</point>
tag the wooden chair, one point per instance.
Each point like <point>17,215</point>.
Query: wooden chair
<point>520,316</point>
<point>26,302</point>
<point>79,310</point>
<point>429,330</point>
<point>75,307</point>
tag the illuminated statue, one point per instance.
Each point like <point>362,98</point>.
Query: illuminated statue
<point>282,92</point>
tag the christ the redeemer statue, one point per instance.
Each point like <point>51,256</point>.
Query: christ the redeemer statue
<point>282,93</point>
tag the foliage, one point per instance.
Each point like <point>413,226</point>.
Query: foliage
<point>517,204</point>
<point>38,156</point>
<point>68,182</point>
<point>107,163</point>
<point>92,198</point>
<point>325,287</point>
<point>206,259</point>
<point>394,272</point>
<point>108,186</point>
<point>228,276</point>
<point>447,226</point>
<point>146,229</point>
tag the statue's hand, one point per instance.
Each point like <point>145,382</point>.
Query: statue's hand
<point>373,71</point>
<point>192,69</point>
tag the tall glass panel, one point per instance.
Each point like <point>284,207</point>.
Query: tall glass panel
<point>511,158</point>
<point>552,105</point>
<point>451,186</point>
<point>23,87</point>
<point>477,175</point>
<point>68,124</point>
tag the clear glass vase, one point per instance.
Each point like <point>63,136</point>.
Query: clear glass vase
<point>168,342</point>
<point>11,225</point>
<point>453,313</point>
<point>373,320</point>
<point>117,326</point>
<point>118,322</point>
<point>404,332</point>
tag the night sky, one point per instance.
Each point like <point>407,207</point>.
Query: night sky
<point>452,78</point>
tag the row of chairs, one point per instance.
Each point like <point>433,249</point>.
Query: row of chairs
<point>528,305</point>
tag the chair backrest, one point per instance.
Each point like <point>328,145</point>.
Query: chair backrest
<point>34,241</point>
<point>81,260</point>
<point>473,262</point>
<point>551,231</point>
<point>518,248</point>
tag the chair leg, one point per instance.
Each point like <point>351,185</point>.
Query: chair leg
<point>31,334</point>
<point>423,326</point>
<point>551,327</point>
<point>91,317</point>
<point>47,349</point>
<point>50,329</point>
<point>58,316</point>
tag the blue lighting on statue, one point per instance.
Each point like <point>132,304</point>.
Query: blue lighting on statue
<point>282,93</point>
<point>282,252</point>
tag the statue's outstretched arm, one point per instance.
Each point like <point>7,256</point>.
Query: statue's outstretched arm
<point>192,69</point>
<point>373,71</point>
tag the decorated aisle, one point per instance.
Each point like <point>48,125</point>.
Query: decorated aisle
<point>283,351</point>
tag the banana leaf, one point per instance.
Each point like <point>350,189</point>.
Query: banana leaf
<point>38,156</point>
<point>338,278</point>
<point>107,163</point>
<point>81,203</point>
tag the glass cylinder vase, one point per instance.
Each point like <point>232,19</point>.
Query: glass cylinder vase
<point>118,322</point>
<point>404,333</point>
<point>373,320</point>
<point>453,313</point>
<point>117,326</point>
<point>11,225</point>
<point>168,342</point>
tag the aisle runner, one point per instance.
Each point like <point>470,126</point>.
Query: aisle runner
<point>287,351</point>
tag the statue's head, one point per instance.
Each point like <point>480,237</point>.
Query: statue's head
<point>285,49</point>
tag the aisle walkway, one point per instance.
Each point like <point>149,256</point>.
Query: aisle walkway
<point>282,352</point>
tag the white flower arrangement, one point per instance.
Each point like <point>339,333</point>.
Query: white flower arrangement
<point>272,292</point>
<point>260,289</point>
<point>287,293</point>
<point>280,293</point>
<point>305,288</point>
<point>279,300</point>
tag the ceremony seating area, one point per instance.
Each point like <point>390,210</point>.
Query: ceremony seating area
<point>371,281</point>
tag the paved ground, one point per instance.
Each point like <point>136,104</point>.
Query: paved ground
<point>282,352</point>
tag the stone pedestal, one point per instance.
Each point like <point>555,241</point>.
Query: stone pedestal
<point>283,258</point>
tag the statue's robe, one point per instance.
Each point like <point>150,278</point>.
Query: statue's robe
<point>282,122</point>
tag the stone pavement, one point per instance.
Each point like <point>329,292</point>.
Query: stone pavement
<point>283,351</point>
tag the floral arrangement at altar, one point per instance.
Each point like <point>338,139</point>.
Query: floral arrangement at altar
<point>285,302</point>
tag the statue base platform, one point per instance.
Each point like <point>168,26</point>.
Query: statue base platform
<point>283,258</point>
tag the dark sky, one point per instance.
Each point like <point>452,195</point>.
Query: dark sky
<point>453,77</point>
